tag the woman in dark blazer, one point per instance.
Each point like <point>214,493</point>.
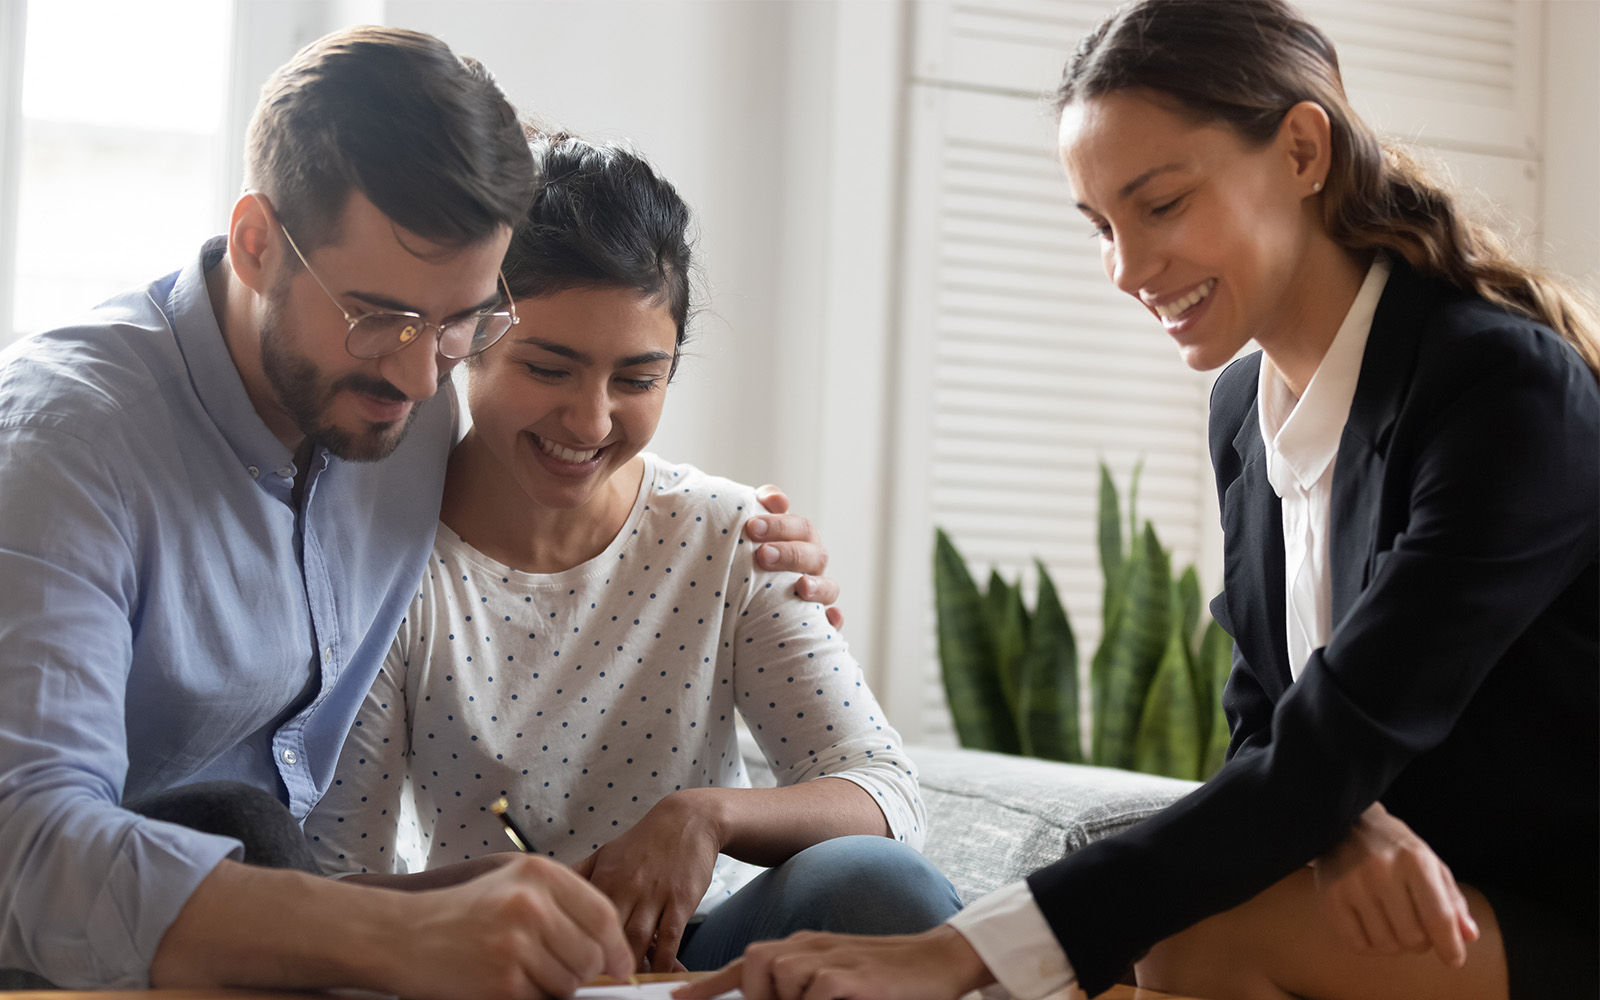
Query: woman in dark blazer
<point>1409,475</point>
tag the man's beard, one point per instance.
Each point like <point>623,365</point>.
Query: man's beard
<point>307,395</point>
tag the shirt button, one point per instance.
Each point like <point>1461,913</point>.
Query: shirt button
<point>286,472</point>
<point>327,654</point>
<point>289,757</point>
<point>254,472</point>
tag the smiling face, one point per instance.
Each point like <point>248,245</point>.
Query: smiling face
<point>302,380</point>
<point>1220,240</point>
<point>571,394</point>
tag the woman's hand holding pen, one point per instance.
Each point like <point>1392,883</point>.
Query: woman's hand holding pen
<point>656,874</point>
<point>1388,892</point>
<point>528,928</point>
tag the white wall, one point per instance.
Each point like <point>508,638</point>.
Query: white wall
<point>13,31</point>
<point>1572,139</point>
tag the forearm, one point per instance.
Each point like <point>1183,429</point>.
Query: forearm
<point>264,927</point>
<point>530,928</point>
<point>767,826</point>
<point>434,878</point>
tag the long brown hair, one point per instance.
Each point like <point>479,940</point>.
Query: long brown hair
<point>1246,63</point>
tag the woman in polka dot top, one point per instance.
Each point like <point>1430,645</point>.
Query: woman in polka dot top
<point>592,623</point>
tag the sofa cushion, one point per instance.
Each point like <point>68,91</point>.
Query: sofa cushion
<point>993,818</point>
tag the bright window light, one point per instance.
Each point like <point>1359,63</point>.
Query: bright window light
<point>122,112</point>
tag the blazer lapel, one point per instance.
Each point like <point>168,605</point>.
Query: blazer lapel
<point>1386,370</point>
<point>1253,570</point>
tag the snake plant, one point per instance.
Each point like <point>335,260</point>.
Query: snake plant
<point>1011,674</point>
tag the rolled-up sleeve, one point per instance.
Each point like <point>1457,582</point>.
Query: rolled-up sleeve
<point>808,705</point>
<point>87,888</point>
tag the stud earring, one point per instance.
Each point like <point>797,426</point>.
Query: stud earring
<point>1316,186</point>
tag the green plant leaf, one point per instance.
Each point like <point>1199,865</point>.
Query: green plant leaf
<point>1186,620</point>
<point>1168,741</point>
<point>1133,499</point>
<point>1008,619</point>
<point>967,655</point>
<point>1216,659</point>
<point>1126,662</point>
<point>1188,598</point>
<point>1099,688</point>
<point>1049,716</point>
<point>1111,552</point>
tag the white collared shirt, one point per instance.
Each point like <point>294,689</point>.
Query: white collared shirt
<point>1006,928</point>
<point>1302,439</point>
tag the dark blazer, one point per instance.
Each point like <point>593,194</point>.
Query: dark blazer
<point>1460,685</point>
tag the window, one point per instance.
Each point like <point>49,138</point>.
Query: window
<point>119,148</point>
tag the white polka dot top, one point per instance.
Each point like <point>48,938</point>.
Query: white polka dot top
<point>584,697</point>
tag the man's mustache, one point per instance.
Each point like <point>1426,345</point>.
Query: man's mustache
<point>375,387</point>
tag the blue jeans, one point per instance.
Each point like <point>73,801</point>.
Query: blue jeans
<point>850,885</point>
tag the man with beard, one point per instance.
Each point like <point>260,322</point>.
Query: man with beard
<point>217,495</point>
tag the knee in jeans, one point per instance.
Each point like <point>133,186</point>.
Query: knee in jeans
<point>879,881</point>
<point>872,861</point>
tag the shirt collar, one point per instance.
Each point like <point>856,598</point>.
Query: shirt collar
<point>213,374</point>
<point>1302,436</point>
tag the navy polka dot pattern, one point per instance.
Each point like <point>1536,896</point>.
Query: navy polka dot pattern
<point>584,697</point>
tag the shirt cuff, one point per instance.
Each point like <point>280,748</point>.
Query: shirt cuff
<point>1008,931</point>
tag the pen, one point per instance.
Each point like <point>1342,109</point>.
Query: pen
<point>517,837</point>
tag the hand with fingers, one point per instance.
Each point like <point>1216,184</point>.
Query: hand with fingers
<point>527,929</point>
<point>934,965</point>
<point>788,543</point>
<point>655,875</point>
<point>1388,893</point>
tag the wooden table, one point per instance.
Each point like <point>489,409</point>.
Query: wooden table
<point>1115,993</point>
<point>1128,993</point>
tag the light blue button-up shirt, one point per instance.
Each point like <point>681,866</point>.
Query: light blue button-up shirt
<point>167,615</point>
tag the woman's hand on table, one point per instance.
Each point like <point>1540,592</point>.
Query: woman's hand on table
<point>934,965</point>
<point>1389,893</point>
<point>656,874</point>
<point>789,544</point>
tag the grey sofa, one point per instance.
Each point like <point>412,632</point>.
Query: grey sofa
<point>993,818</point>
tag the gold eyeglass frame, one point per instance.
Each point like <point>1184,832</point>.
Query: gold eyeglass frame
<point>419,324</point>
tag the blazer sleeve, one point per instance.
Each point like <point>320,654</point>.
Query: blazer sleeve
<point>1499,459</point>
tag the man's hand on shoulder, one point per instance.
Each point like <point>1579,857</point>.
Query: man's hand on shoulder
<point>789,543</point>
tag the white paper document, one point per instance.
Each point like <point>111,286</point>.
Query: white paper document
<point>641,991</point>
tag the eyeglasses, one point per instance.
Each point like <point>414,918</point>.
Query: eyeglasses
<point>378,334</point>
